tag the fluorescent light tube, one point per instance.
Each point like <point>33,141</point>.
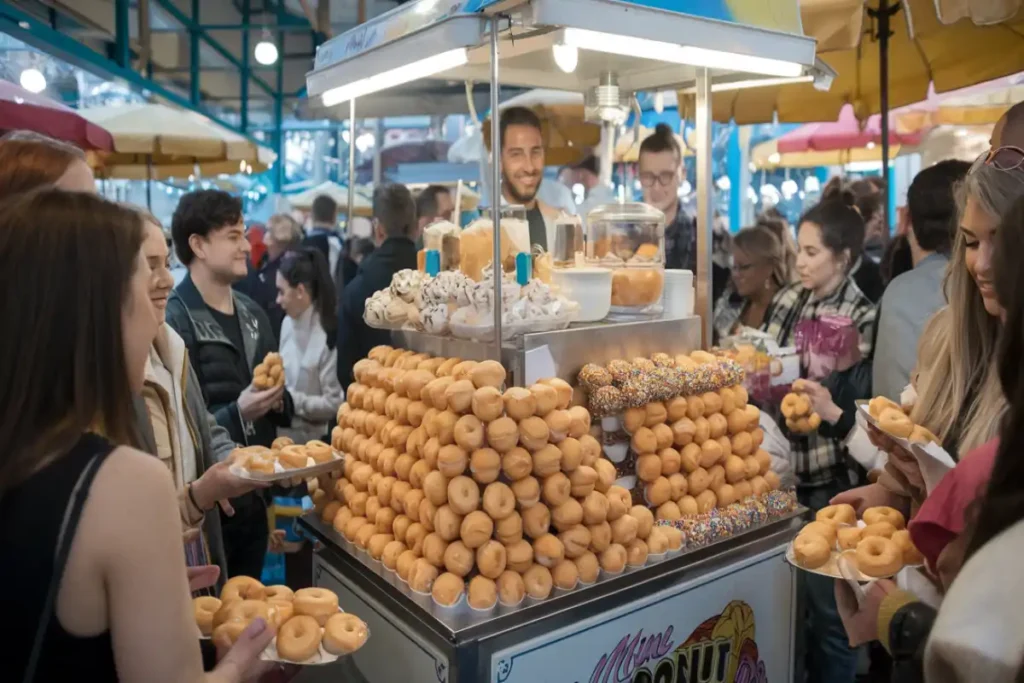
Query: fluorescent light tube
<point>404,74</point>
<point>751,83</point>
<point>679,54</point>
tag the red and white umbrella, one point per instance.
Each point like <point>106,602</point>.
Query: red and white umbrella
<point>23,110</point>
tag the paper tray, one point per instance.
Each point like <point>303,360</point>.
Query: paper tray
<point>931,458</point>
<point>283,474</point>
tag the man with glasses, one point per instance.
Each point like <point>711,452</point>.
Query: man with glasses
<point>661,174</point>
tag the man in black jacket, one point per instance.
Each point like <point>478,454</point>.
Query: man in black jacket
<point>395,232</point>
<point>227,334</point>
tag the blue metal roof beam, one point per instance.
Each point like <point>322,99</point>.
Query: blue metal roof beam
<point>41,36</point>
<point>201,31</point>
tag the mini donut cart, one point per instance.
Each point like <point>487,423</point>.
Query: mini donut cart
<point>723,612</point>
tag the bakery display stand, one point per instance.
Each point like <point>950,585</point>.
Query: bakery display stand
<point>723,611</point>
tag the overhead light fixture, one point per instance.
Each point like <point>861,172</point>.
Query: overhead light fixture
<point>393,77</point>
<point>265,51</point>
<point>659,102</point>
<point>752,83</point>
<point>33,80</point>
<point>566,57</point>
<point>774,158</point>
<point>680,54</point>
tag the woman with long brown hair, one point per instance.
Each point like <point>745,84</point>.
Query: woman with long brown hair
<point>91,528</point>
<point>978,632</point>
<point>29,160</point>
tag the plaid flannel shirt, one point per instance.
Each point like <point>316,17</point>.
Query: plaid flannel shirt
<point>816,457</point>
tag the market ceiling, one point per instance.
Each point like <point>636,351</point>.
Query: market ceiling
<point>223,26</point>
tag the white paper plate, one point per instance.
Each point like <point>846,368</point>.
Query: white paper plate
<point>281,474</point>
<point>933,460</point>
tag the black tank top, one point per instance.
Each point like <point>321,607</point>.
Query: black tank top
<point>32,517</point>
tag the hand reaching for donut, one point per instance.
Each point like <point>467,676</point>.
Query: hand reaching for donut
<point>861,623</point>
<point>204,576</point>
<point>241,662</point>
<point>821,400</point>
<point>872,495</point>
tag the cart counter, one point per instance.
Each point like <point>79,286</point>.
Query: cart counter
<point>722,613</point>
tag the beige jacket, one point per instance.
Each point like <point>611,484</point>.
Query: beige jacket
<point>164,394</point>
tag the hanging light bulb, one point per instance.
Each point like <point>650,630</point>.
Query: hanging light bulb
<point>265,51</point>
<point>566,57</point>
<point>812,184</point>
<point>789,188</point>
<point>33,80</point>
<point>659,102</point>
<point>723,183</point>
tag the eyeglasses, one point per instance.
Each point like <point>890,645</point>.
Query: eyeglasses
<point>664,179</point>
<point>1007,158</point>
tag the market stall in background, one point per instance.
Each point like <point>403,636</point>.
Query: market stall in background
<point>461,323</point>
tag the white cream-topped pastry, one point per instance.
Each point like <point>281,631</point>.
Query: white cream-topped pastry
<point>406,283</point>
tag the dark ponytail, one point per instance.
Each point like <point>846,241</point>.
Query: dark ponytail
<point>308,267</point>
<point>841,225</point>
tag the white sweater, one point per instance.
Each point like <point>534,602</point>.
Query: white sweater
<point>310,373</point>
<point>978,634</point>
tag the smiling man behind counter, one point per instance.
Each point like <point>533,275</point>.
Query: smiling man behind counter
<point>522,170</point>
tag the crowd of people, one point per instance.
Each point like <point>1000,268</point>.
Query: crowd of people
<point>116,376</point>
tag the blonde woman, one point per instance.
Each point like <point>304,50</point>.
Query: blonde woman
<point>958,394</point>
<point>761,266</point>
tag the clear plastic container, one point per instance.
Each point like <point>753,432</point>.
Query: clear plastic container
<point>630,239</point>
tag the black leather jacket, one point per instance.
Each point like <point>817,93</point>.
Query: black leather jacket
<point>214,357</point>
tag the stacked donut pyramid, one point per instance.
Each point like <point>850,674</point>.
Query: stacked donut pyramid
<point>463,487</point>
<point>695,437</point>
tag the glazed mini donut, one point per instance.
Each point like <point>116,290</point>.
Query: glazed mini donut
<point>839,514</point>
<point>884,514</point>
<point>894,422</point>
<point>482,593</point>
<point>789,405</point>
<point>811,551</point>
<point>344,633</point>
<point>879,404</point>
<point>487,404</point>
<point>510,529</point>
<point>878,557</point>
<point>910,553</point>
<point>318,603</point>
<point>243,588</point>
<point>448,589</point>
<point>519,403</point>
<point>883,529</point>
<point>319,451</point>
<point>498,501</point>
<point>826,530</point>
<point>848,537</point>
<point>463,495</point>
<point>299,638</point>
<point>275,593</point>
<point>511,588</point>
<point>205,606</point>
<point>921,435</point>
<point>538,582</point>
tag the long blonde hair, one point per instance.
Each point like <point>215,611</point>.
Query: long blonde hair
<point>957,376</point>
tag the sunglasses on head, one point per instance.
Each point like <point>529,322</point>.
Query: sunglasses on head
<point>1007,158</point>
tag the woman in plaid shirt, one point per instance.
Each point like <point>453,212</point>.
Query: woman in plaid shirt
<point>830,238</point>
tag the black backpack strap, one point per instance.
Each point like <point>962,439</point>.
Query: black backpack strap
<point>72,514</point>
